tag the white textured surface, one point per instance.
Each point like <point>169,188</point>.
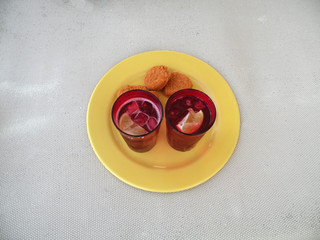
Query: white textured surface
<point>53,53</point>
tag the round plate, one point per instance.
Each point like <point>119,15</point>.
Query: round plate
<point>163,169</point>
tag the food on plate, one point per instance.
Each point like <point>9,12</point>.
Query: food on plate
<point>160,78</point>
<point>177,82</point>
<point>134,87</point>
<point>157,77</point>
<point>129,88</point>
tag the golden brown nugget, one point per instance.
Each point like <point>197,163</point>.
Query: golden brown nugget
<point>134,87</point>
<point>129,88</point>
<point>176,82</point>
<point>157,77</point>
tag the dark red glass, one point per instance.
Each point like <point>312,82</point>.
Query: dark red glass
<point>177,108</point>
<point>145,109</point>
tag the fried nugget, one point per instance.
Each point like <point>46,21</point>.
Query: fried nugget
<point>177,82</point>
<point>157,77</point>
<point>134,87</point>
<point>129,88</point>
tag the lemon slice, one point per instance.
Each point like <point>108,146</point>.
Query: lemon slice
<point>130,127</point>
<point>191,122</point>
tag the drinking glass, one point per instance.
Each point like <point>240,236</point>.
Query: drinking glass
<point>144,142</point>
<point>175,111</point>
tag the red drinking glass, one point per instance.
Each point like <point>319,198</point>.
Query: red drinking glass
<point>144,111</point>
<point>177,108</point>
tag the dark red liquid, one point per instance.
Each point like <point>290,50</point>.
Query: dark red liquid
<point>141,111</point>
<point>179,109</point>
<point>145,109</point>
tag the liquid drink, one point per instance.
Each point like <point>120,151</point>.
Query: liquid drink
<point>190,114</point>
<point>137,114</point>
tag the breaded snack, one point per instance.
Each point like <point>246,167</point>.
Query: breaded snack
<point>134,87</point>
<point>129,88</point>
<point>177,82</point>
<point>157,77</point>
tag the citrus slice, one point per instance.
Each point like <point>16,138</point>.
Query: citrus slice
<point>191,122</point>
<point>130,127</point>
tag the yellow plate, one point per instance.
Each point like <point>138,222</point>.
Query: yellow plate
<point>163,169</point>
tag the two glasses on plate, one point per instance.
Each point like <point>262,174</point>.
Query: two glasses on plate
<point>137,114</point>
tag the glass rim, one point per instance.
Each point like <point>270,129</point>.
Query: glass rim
<point>191,134</point>
<point>138,90</point>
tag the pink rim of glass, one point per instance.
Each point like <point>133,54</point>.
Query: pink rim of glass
<point>118,103</point>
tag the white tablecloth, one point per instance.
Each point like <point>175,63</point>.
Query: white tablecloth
<point>53,53</point>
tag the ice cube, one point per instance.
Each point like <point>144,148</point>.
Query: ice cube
<point>146,107</point>
<point>141,119</point>
<point>132,107</point>
<point>152,123</point>
<point>199,105</point>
